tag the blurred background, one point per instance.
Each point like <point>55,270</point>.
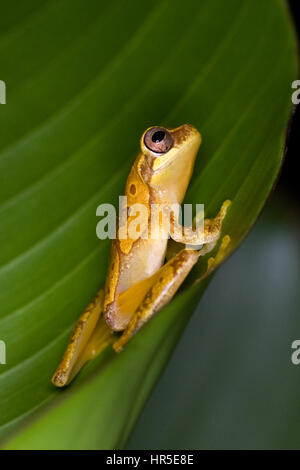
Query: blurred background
<point>244,353</point>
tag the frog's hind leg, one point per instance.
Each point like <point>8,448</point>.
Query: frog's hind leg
<point>164,285</point>
<point>90,336</point>
<point>212,263</point>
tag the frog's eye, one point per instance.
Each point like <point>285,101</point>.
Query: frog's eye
<point>158,140</point>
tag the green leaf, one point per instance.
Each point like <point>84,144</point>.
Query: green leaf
<point>82,85</point>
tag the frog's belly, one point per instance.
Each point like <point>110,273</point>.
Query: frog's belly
<point>145,259</point>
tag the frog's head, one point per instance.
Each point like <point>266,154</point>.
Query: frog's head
<point>172,153</point>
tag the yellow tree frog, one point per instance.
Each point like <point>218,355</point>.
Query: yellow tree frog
<point>139,281</point>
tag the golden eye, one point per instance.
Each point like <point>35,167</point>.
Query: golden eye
<point>158,140</point>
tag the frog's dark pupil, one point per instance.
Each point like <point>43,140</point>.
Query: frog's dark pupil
<point>158,136</point>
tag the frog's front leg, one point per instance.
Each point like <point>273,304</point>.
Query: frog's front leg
<point>162,287</point>
<point>207,236</point>
<point>90,336</point>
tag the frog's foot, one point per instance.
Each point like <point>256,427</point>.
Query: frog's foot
<point>204,240</point>
<point>213,262</point>
<point>221,253</point>
<point>213,227</point>
<point>90,336</point>
<point>163,287</point>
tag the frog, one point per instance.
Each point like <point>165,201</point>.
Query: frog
<point>142,277</point>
